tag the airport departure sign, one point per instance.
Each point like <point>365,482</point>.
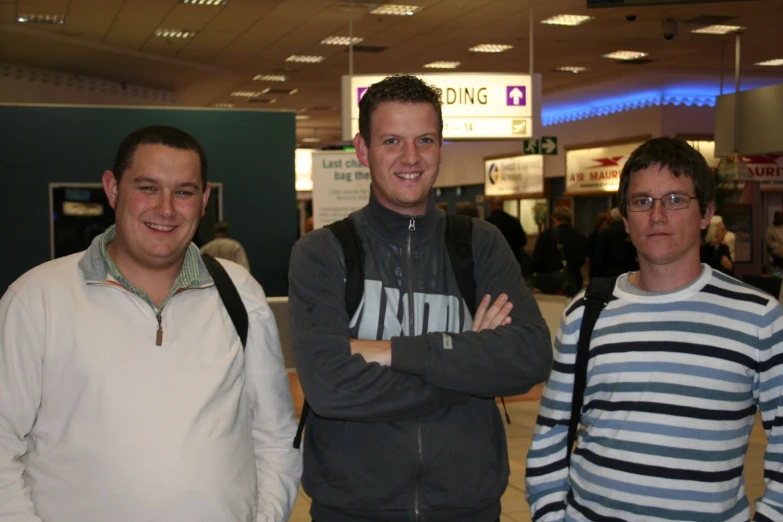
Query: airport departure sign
<point>475,106</point>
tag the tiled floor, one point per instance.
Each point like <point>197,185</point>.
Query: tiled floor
<point>520,432</point>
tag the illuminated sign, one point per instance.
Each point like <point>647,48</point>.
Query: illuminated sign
<point>475,105</point>
<point>518,175</point>
<point>596,170</point>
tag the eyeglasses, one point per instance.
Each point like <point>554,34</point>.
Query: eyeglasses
<point>669,202</point>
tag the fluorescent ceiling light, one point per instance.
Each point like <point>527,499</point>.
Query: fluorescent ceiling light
<point>223,105</point>
<point>442,65</point>
<point>571,69</point>
<point>204,2</point>
<point>625,55</point>
<point>311,140</point>
<point>247,94</point>
<point>41,19</point>
<point>300,58</point>
<point>396,10</point>
<point>174,33</point>
<point>341,40</point>
<point>293,91</point>
<point>490,48</point>
<point>303,116</point>
<point>771,63</point>
<point>269,77</point>
<point>718,29</point>
<point>567,19</point>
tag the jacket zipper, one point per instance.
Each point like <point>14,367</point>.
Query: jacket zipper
<point>411,332</point>
<point>158,312</point>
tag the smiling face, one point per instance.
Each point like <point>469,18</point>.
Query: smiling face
<point>665,238</point>
<point>158,203</point>
<point>403,155</point>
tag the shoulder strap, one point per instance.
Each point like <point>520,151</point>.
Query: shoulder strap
<point>459,242</point>
<point>598,295</point>
<point>229,295</point>
<point>349,239</point>
<point>346,233</point>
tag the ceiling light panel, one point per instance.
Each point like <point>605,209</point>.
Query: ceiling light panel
<point>247,94</point>
<point>625,55</point>
<point>776,62</point>
<point>396,10</point>
<point>567,19</point>
<point>174,33</point>
<point>52,19</point>
<point>223,105</point>
<point>571,69</point>
<point>270,78</point>
<point>718,29</point>
<point>490,48</point>
<point>301,58</point>
<point>303,116</point>
<point>204,2</point>
<point>442,65</point>
<point>341,40</point>
<point>311,140</point>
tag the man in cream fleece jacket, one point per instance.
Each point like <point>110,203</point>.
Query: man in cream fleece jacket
<point>125,392</point>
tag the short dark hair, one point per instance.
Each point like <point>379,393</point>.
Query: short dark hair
<point>158,135</point>
<point>680,158</point>
<point>399,88</point>
<point>221,228</point>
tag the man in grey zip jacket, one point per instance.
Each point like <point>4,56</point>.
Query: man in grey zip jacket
<point>405,426</point>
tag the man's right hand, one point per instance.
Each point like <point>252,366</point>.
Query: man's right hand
<point>490,317</point>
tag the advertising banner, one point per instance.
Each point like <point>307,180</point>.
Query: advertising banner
<point>596,170</point>
<point>517,175</point>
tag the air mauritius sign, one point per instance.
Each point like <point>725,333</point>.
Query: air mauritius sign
<point>766,168</point>
<point>596,170</point>
<point>475,106</point>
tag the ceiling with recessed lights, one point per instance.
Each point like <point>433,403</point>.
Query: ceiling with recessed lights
<point>242,54</point>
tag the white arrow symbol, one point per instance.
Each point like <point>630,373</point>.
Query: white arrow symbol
<point>516,95</point>
<point>548,145</point>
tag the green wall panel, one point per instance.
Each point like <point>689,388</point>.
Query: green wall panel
<point>250,152</point>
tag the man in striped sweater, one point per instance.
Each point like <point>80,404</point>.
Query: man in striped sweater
<point>679,361</point>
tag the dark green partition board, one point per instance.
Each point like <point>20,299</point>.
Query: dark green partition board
<point>250,152</point>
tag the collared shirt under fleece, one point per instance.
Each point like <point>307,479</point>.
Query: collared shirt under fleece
<point>99,423</point>
<point>422,439</point>
<point>673,384</point>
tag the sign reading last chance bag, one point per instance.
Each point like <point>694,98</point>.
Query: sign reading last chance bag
<point>340,185</point>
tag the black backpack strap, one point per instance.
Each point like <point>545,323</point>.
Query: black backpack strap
<point>229,295</point>
<point>598,295</point>
<point>349,239</point>
<point>459,242</point>
<point>346,233</point>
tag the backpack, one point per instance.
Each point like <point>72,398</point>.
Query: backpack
<point>597,296</point>
<point>459,243</point>
<point>229,295</point>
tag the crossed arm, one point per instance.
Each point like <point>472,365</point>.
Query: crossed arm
<point>487,318</point>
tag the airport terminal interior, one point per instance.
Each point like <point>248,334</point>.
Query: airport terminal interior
<point>543,101</point>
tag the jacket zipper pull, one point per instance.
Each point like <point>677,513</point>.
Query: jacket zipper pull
<point>412,225</point>
<point>159,336</point>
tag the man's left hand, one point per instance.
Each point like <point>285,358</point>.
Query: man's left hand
<point>372,351</point>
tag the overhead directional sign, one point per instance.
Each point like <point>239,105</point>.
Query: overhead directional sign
<point>474,105</point>
<point>549,145</point>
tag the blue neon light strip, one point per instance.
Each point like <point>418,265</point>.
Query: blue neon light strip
<point>552,115</point>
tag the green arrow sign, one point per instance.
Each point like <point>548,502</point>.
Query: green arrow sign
<point>530,146</point>
<point>549,145</point>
